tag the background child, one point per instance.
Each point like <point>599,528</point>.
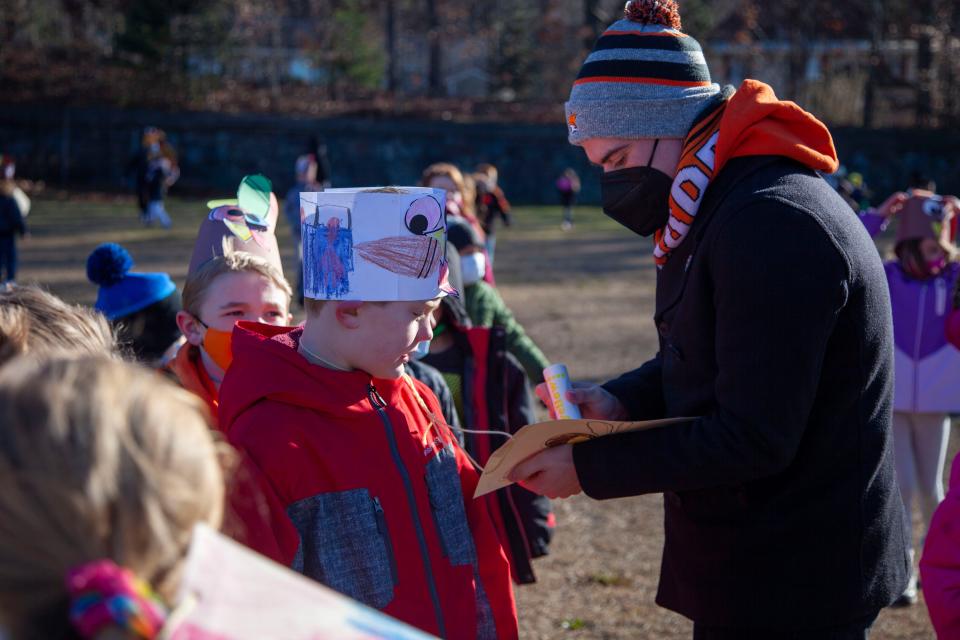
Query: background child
<point>447,177</point>
<point>8,174</point>
<point>922,279</point>
<point>40,324</point>
<point>568,187</point>
<point>306,180</point>
<point>142,307</point>
<point>12,225</point>
<point>224,290</point>
<point>106,469</point>
<point>484,305</point>
<point>461,199</point>
<point>161,172</point>
<point>231,286</point>
<point>428,375</point>
<point>492,205</point>
<point>371,494</point>
<point>491,394</point>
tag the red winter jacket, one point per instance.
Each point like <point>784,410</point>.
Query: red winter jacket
<point>365,496</point>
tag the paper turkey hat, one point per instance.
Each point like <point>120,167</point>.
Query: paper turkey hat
<point>376,244</point>
<point>247,222</point>
<point>923,216</point>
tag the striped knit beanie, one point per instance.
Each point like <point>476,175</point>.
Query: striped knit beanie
<point>643,79</point>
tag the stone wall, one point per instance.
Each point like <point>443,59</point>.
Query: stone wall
<point>91,149</point>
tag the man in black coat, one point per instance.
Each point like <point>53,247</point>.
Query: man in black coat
<point>782,514</point>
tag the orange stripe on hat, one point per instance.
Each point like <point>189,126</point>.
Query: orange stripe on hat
<point>671,83</point>
<point>648,34</point>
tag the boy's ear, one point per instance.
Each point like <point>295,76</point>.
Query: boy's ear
<point>190,327</point>
<point>348,314</point>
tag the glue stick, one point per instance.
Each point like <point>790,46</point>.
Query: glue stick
<point>558,383</point>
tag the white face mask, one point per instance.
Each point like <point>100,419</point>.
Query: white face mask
<point>473,267</point>
<point>423,350</point>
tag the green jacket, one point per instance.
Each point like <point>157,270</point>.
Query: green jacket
<point>486,308</point>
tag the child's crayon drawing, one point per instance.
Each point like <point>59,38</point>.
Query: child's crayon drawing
<point>329,248</point>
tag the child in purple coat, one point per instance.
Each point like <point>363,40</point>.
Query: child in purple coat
<point>922,279</point>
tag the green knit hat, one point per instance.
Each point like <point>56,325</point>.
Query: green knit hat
<point>643,79</point>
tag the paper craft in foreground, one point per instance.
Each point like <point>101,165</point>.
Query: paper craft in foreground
<point>230,593</point>
<point>543,435</point>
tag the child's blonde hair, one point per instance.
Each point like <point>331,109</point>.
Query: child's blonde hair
<point>488,171</point>
<point>39,323</point>
<point>464,185</point>
<point>99,459</point>
<point>198,283</point>
<point>443,169</point>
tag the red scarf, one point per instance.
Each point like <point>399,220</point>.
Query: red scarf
<point>752,122</point>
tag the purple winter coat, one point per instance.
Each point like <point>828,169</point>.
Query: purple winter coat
<point>926,366</point>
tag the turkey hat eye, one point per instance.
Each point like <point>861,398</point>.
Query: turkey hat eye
<point>424,216</point>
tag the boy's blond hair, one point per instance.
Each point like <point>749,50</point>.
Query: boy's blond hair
<point>99,459</point>
<point>198,283</point>
<point>35,322</point>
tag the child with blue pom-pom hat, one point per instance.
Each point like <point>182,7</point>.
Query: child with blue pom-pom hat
<point>143,306</point>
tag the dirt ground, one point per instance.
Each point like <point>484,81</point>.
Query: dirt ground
<point>586,296</point>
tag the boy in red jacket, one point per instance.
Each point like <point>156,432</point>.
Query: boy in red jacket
<point>369,492</point>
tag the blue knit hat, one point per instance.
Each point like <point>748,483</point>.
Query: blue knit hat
<point>121,292</point>
<point>643,79</point>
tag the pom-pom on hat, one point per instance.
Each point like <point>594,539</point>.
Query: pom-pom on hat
<point>644,78</point>
<point>122,292</point>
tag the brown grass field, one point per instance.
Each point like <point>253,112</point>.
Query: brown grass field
<point>586,296</point>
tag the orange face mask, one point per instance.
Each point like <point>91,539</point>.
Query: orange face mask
<point>218,345</point>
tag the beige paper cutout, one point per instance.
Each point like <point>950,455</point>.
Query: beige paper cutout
<point>534,438</point>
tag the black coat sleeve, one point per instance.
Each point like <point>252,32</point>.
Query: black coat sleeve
<point>640,391</point>
<point>778,285</point>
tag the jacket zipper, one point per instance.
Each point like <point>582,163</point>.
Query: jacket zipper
<point>388,541</point>
<point>916,346</point>
<point>378,403</point>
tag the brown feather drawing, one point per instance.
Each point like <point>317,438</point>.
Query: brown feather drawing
<point>410,256</point>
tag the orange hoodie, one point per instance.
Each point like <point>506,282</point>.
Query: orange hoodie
<point>751,122</point>
<point>190,372</point>
<point>756,123</point>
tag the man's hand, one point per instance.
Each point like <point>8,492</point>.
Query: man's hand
<point>892,205</point>
<point>550,473</point>
<point>594,401</point>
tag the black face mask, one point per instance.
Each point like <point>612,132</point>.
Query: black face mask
<point>637,197</point>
